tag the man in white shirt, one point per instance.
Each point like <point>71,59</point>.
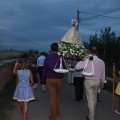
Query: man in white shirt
<point>40,63</point>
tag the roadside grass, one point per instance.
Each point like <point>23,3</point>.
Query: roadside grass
<point>6,55</point>
<point>6,100</point>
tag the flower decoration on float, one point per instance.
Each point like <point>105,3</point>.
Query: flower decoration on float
<point>71,50</point>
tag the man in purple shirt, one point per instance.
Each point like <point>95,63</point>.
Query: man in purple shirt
<point>53,80</point>
<point>93,82</point>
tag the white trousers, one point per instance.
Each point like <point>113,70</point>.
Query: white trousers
<point>91,88</point>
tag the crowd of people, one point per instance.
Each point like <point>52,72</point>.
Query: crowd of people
<point>41,71</point>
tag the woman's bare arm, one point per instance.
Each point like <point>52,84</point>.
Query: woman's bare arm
<point>15,69</point>
<point>31,78</point>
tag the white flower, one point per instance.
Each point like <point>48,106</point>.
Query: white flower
<point>81,50</point>
<point>69,49</point>
<point>83,47</point>
<point>77,46</point>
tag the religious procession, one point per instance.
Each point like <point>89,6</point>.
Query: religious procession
<point>68,59</point>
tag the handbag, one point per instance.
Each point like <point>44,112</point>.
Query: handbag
<point>60,69</point>
<point>85,73</point>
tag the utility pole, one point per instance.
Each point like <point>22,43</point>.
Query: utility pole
<point>78,19</point>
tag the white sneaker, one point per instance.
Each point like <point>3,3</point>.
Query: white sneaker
<point>116,111</point>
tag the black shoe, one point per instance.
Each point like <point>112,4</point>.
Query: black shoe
<point>87,118</point>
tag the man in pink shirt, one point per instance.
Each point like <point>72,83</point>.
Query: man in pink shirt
<point>93,82</point>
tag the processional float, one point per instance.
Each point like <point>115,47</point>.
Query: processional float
<point>71,47</point>
<point>71,44</point>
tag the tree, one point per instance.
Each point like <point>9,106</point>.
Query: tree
<point>93,40</point>
<point>108,45</point>
<point>107,41</point>
<point>86,44</point>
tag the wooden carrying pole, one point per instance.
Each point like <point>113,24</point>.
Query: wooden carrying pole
<point>113,86</point>
<point>119,95</point>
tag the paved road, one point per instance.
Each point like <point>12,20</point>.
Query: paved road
<point>70,109</point>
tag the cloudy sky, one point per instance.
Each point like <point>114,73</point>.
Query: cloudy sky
<point>35,24</point>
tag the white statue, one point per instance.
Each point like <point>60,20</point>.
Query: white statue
<point>72,36</point>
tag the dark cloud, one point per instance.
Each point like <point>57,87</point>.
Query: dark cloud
<point>35,24</point>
